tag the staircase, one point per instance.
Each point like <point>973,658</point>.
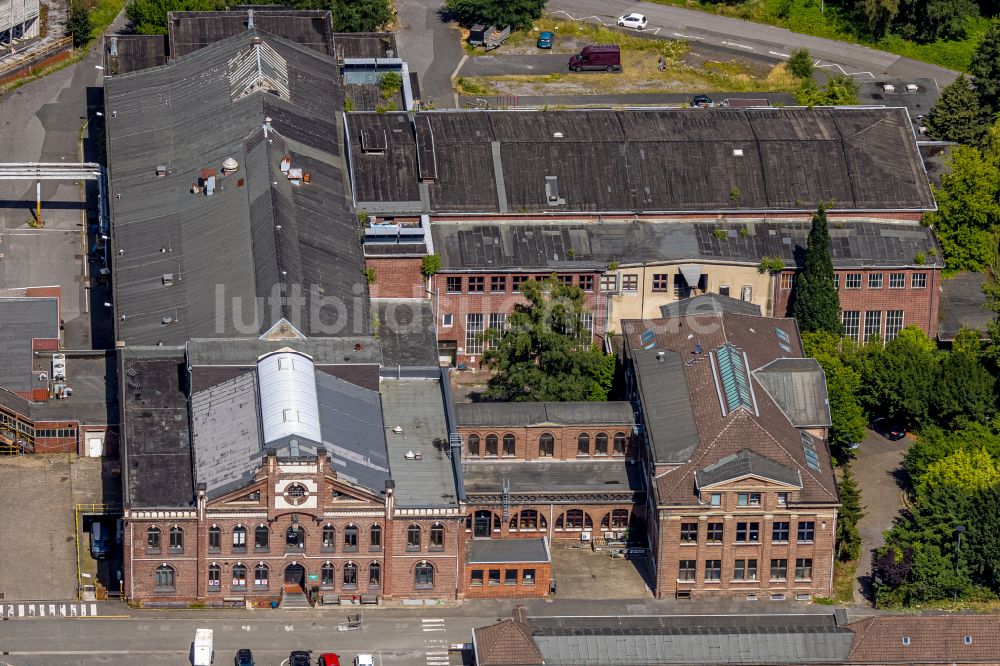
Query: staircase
<point>294,600</point>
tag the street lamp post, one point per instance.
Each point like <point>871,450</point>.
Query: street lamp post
<point>958,554</point>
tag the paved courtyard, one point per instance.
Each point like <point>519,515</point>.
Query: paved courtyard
<point>581,573</point>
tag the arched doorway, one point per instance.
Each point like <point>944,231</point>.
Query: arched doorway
<point>295,578</point>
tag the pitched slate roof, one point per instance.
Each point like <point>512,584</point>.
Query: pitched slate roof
<point>657,160</point>
<point>506,643</point>
<point>742,464</point>
<point>577,246</point>
<point>222,253</point>
<point>933,639</point>
<point>710,302</point>
<point>515,414</point>
<point>757,424</point>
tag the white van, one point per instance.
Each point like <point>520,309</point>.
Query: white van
<point>203,651</point>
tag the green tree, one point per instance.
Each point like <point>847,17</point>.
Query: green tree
<point>816,302</point>
<point>968,212</point>
<point>79,25</point>
<point>957,115</point>
<point>902,382</point>
<point>355,15</point>
<point>518,14</point>
<point>843,387</point>
<point>879,15</point>
<point>430,264</point>
<point>801,64</point>
<point>965,391</point>
<point>149,17</point>
<point>546,354</point>
<point>928,20</point>
<point>851,511</point>
<point>840,90</point>
<point>985,67</point>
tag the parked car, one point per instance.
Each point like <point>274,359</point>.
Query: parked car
<point>244,657</point>
<point>299,658</point>
<point>329,659</point>
<point>364,660</point>
<point>545,40</point>
<point>891,430</point>
<point>608,58</point>
<point>633,20</point>
<point>99,540</point>
<point>702,101</point>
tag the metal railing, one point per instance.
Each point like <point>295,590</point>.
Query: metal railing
<point>13,63</point>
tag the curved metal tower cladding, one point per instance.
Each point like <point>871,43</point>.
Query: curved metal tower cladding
<point>18,20</point>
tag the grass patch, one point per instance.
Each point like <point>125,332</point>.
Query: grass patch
<point>843,584</point>
<point>473,86</point>
<point>103,14</point>
<point>804,16</point>
<point>590,33</point>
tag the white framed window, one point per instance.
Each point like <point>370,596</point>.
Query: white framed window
<point>852,324</point>
<point>918,280</point>
<point>897,280</point>
<point>873,324</point>
<point>893,324</point>
<point>874,280</point>
<point>609,282</point>
<point>473,331</point>
<point>852,281</point>
<point>447,320</point>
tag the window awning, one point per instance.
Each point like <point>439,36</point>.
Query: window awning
<point>691,273</point>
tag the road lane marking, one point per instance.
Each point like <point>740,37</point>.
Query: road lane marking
<point>683,36</point>
<point>779,54</point>
<point>738,46</point>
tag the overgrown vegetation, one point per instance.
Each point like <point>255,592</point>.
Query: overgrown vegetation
<point>546,353</point>
<point>430,264</point>
<point>149,17</point>
<point>944,32</point>
<point>79,26</point>
<point>518,14</point>
<point>840,90</point>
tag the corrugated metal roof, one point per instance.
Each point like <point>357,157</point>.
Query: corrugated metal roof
<point>288,403</point>
<point>514,414</point>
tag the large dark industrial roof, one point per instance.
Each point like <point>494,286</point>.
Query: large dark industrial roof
<point>736,396</point>
<point>21,321</point>
<point>156,455</point>
<point>131,53</point>
<point>576,246</point>
<point>190,31</point>
<point>190,265</point>
<point>637,161</point>
<point>406,331</point>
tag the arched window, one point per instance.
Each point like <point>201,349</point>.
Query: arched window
<point>509,445</point>
<point>376,537</point>
<point>413,537</point>
<point>474,446</point>
<point>601,442</point>
<point>239,576</point>
<point>619,519</point>
<point>176,539</point>
<point>437,537</point>
<point>546,445</point>
<point>492,445</point>
<point>214,538</point>
<point>583,444</point>
<point>165,578</point>
<point>327,574</point>
<point>261,539</point>
<point>484,523</point>
<point>423,576</point>
<point>528,520</point>
<point>574,519</point>
<point>350,576</point>
<point>260,575</point>
<point>351,538</point>
<point>239,538</point>
<point>214,577</point>
<point>374,574</point>
<point>295,538</point>
<point>620,443</point>
<point>153,539</point>
<point>329,538</point>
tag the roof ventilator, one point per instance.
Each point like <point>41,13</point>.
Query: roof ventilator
<point>161,170</point>
<point>737,152</point>
<point>168,279</point>
<point>258,68</point>
<point>552,192</point>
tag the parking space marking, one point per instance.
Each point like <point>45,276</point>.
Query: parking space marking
<point>55,610</point>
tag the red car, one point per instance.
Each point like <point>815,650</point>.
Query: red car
<point>329,659</point>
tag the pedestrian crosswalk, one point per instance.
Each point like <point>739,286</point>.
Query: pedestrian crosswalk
<point>47,609</point>
<point>435,649</point>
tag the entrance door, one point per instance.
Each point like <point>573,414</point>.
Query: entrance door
<point>482,524</point>
<point>295,578</point>
<point>95,447</point>
<point>447,352</point>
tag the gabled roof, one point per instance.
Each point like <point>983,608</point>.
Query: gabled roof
<point>666,160</point>
<point>689,345</point>
<point>506,643</point>
<point>710,302</point>
<point>190,265</point>
<point>798,387</point>
<point>932,639</point>
<point>520,414</point>
<point>746,464</point>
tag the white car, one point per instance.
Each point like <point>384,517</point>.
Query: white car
<point>637,21</point>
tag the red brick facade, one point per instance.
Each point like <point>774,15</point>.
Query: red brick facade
<point>878,292</point>
<point>397,277</point>
<point>753,549</point>
<point>486,295</point>
<point>507,581</point>
<point>211,553</point>
<point>533,443</point>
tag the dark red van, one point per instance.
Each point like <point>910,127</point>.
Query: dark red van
<point>604,57</point>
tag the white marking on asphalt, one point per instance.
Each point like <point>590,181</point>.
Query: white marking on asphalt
<point>738,46</point>
<point>842,70</point>
<point>683,36</point>
<point>289,627</point>
<point>247,627</point>
<point>780,55</point>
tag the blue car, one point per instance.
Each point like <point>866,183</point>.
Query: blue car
<point>545,40</point>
